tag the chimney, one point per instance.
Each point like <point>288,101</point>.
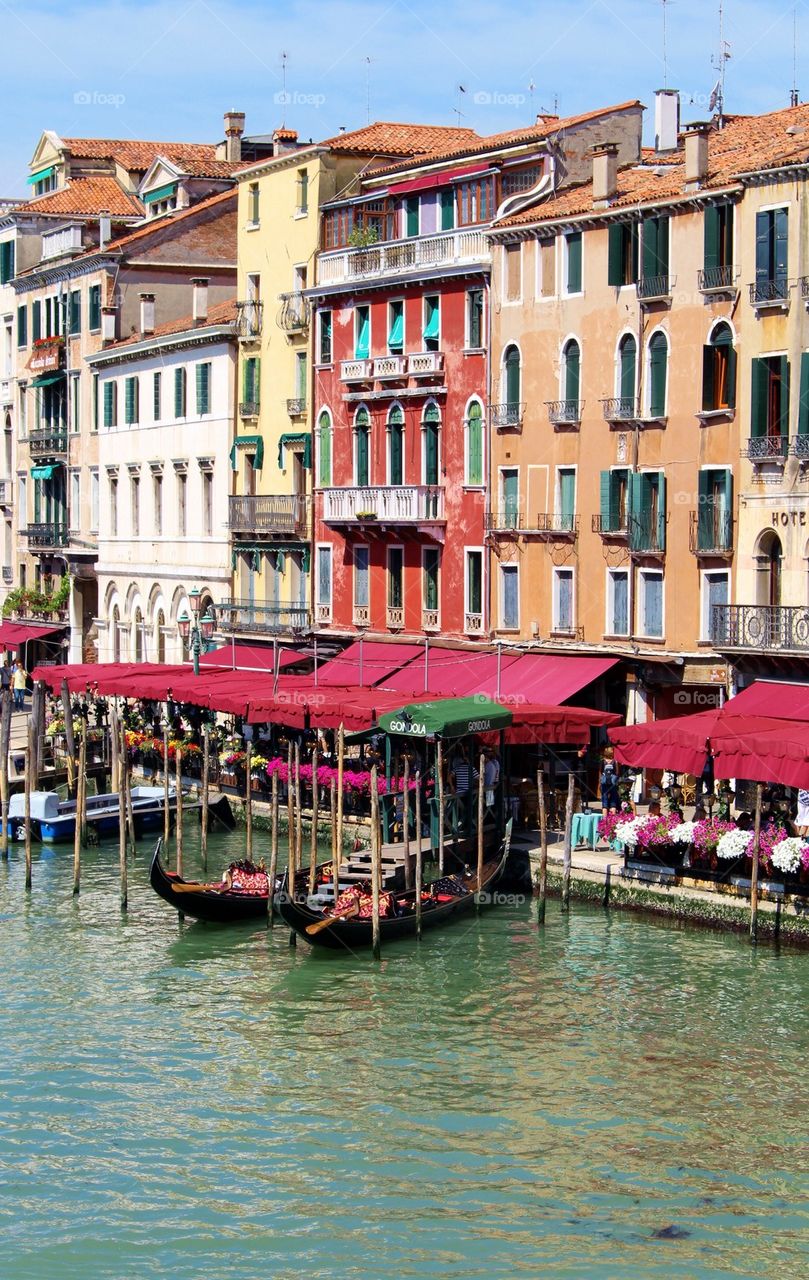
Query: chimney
<point>104,230</point>
<point>284,140</point>
<point>667,119</point>
<point>199,306</point>
<point>605,172</point>
<point>234,128</point>
<point>696,154</point>
<point>108,315</point>
<point>146,313</point>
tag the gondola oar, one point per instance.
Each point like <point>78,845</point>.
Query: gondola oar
<point>193,887</point>
<point>324,924</point>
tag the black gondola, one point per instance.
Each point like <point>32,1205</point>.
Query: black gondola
<point>217,906</point>
<point>349,933</point>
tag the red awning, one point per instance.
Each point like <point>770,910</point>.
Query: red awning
<point>448,673</point>
<point>772,698</point>
<point>681,743</point>
<point>779,754</point>
<point>249,657</point>
<point>13,634</point>
<point>366,662</point>
<point>440,179</point>
<point>549,679</point>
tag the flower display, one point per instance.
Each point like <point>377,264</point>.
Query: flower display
<point>683,833</point>
<point>656,830</point>
<point>357,781</point>
<point>627,831</point>
<point>791,855</point>
<point>708,832</point>
<point>734,844</point>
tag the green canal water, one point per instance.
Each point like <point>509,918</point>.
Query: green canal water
<point>183,1101</point>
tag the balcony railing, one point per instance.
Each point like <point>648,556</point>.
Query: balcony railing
<point>651,288</point>
<point>388,504</point>
<point>764,293</point>
<point>280,514</point>
<point>422,252</point>
<point>716,279</point>
<point>473,623</point>
<point>44,442</point>
<point>425,364</point>
<point>294,313</point>
<point>6,493</point>
<point>430,620</point>
<point>395,617</point>
<point>8,575</point>
<point>507,417</point>
<point>556,524</point>
<point>49,533</point>
<point>565,412</point>
<point>296,406</point>
<point>390,367</point>
<point>646,536</point>
<point>759,626</point>
<point>322,613</point>
<point>246,615</point>
<point>362,615</point>
<point>800,448</point>
<point>504,520</point>
<point>249,316</point>
<point>711,530</point>
<point>356,370</point>
<point>620,409</point>
<point>249,409</point>
<point>610,526</point>
<point>762,448</point>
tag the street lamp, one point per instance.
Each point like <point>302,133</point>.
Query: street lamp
<point>197,630</point>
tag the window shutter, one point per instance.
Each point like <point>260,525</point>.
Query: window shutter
<point>763,231</point>
<point>731,375</point>
<point>109,391</point>
<point>708,381</point>
<point>431,453</point>
<point>129,401</point>
<point>324,576</point>
<point>803,404</point>
<point>608,516</point>
<point>634,494</point>
<point>325,337</point>
<point>663,233</point>
<point>362,457</point>
<point>412,216</point>
<point>574,262</point>
<point>363,346</point>
<point>661,511</point>
<point>361,596</point>
<point>447,210</point>
<point>781,224</point>
<point>513,377</point>
<point>36,320</point>
<point>94,305</point>
<point>758,397</point>
<point>726,527</point>
<point>783,417</point>
<point>572,371</point>
<point>324,451</point>
<point>430,579</point>
<point>615,254</point>
<point>628,361</point>
<point>396,335</point>
<point>650,259</point>
<point>658,359</point>
<point>567,498</point>
<point>509,581</point>
<point>203,377</point>
<point>22,326</point>
<point>156,397</point>
<point>396,469</point>
<point>705,512</point>
<point>475,446</point>
<point>430,319</point>
<point>179,393</point>
<point>711,228</point>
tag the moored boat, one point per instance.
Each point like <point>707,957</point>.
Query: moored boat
<point>54,819</point>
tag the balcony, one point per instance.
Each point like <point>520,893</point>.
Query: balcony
<point>381,505</point>
<point>507,417</point>
<point>473,624</point>
<point>767,448</point>
<point>6,493</point>
<point>425,364</point>
<point>717,279</point>
<point>296,406</point>
<point>47,535</point>
<point>784,628</point>
<point>710,530</point>
<point>45,442</point>
<point>249,317</point>
<point>362,615</point>
<point>356,370</point>
<point>400,257</point>
<point>655,288</point>
<point>770,293</point>
<point>390,367</point>
<point>430,620</point>
<point>611,526</point>
<point>556,524</point>
<point>395,617</point>
<point>236,616</point>
<point>565,413</point>
<point>800,448</point>
<point>504,520</point>
<point>274,515</point>
<point>294,314</point>
<point>323,614</point>
<point>620,409</point>
<point>647,534</point>
<point>249,409</point>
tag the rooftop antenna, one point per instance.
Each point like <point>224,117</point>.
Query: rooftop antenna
<point>793,96</point>
<point>461,89</point>
<point>717,99</point>
<point>368,60</point>
<point>665,4</point>
<point>531,88</point>
<point>284,57</point>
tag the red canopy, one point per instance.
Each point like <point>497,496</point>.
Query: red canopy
<point>366,662</point>
<point>772,698</point>
<point>779,754</point>
<point>13,634</point>
<point>250,657</point>
<point>448,673</point>
<point>536,723</point>
<point>548,679</point>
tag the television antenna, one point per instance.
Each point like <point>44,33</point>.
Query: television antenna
<point>368,60</point>
<point>284,60</point>
<point>460,90</point>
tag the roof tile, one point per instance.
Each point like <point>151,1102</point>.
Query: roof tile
<point>94,195</point>
<point>220,314</point>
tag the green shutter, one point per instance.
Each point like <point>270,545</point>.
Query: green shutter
<point>447,199</point>
<point>615,255</point>
<point>663,233</point>
<point>803,404</point>
<point>431,452</point>
<point>412,216</point>
<point>396,335</point>
<point>362,348</point>
<point>474,445</point>
<point>431,319</point>
<point>430,579</point>
<point>658,362</point>
<point>325,337</point>
<point>572,371</point>
<point>705,514</point>
<point>710,257</point>
<point>109,402</point>
<point>758,397</point>
<point>203,387</point>
<point>574,244</point>
<point>75,311</point>
<point>783,421</point>
<point>708,381</point>
<point>94,306</point>
<point>179,393</point>
<point>628,362</point>
<point>396,454</point>
<point>608,513</point>
<point>512,376</point>
<point>36,320</point>
<point>6,261</point>
<point>732,366</point>
<point>780,248</point>
<point>130,401</point>
<point>156,396</point>
<point>567,497</point>
<point>634,501</point>
<point>22,326</point>
<point>661,511</point>
<point>324,451</point>
<point>363,462</point>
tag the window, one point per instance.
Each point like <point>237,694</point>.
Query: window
<point>113,483</point>
<point>719,370</point>
<point>475,201</point>
<point>512,377</point>
<point>474,584</point>
<point>614,486</point>
<point>618,602</point>
<point>803,403</point>
<point>182,503</point>
<point>362,332</point>
<point>207,502</point>
<point>203,387</point>
<point>179,393</point>
<point>396,578</point>
<point>474,319</point>
<point>718,249</point>
<point>74,510</point>
<point>430,565</point>
<point>22,326</point>
<point>412,209</point>
<point>658,374</point>
<point>769,413</point>
<point>324,450</point>
<point>474,444</point>
<point>253,206</point>
<point>396,327</point>
<point>650,603</point>
<point>134,505</point>
<point>508,515</point>
<point>74,312</point>
<point>302,189</point>
<point>94,501</point>
<point>646,493</point>
<point>362,595</point>
<point>546,268</point>
<point>362,447</point>
<point>509,597</point>
<point>573,265</point>
<point>94,307</point>
<point>131,398</point>
<point>324,337</point>
<point>6,261</point>
<point>157,502</point>
<point>655,233</point>
<point>111,403</point>
<point>431,426</point>
<point>622,256</point>
<point>323,585</point>
<point>715,509</point>
<point>157,389</point>
<point>772,230</point>
<point>446,203</point>
<point>396,445</point>
<point>565,498</point>
<point>94,398</point>
<point>512,272</point>
<point>251,381</point>
<point>22,501</point>
<point>571,371</point>
<point>627,374</point>
<point>301,376</point>
<point>715,592</point>
<point>563,616</point>
<point>432,323</point>
<point>75,402</point>
<point>36,320</point>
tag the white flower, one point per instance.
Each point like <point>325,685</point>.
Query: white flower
<point>683,833</point>
<point>627,832</point>
<point>786,855</point>
<point>734,844</point>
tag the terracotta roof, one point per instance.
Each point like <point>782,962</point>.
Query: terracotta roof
<point>219,314</point>
<point>171,220</point>
<point>745,144</point>
<point>389,139</point>
<point>82,196</point>
<point>139,155</point>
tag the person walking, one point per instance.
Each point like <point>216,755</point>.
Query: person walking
<point>19,681</point>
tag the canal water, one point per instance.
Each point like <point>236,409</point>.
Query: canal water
<point>185,1100</point>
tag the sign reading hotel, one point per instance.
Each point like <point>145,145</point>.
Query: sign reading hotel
<point>46,357</point>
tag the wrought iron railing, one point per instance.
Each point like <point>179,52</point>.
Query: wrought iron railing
<point>715,279</point>
<point>296,405</point>
<point>710,530</point>
<point>48,533</point>
<point>610,526</point>
<point>765,291</point>
<point>558,524</point>
<point>650,287</point>
<point>503,520</point>
<point>620,408</point>
<point>760,448</point>
<point>246,615</point>
<point>249,409</point>
<point>294,313</point>
<point>249,317</point>
<point>505,416</point>
<point>800,447</point>
<point>759,626</point>
<point>565,412</point>
<point>44,442</point>
<point>645,534</point>
<point>282,514</point>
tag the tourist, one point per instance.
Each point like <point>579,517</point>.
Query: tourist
<point>19,678</point>
<point>491,775</point>
<point>744,822</point>
<point>5,674</point>
<point>461,778</point>
<point>802,816</point>
<point>609,782</point>
<point>654,809</point>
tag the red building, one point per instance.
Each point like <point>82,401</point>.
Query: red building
<point>401,381</point>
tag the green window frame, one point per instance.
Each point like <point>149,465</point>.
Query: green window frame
<point>22,325</point>
<point>769,398</point>
<point>772,247</point>
<point>324,450</point>
<point>512,373</point>
<point>94,307</point>
<point>573,247</point>
<point>447,209</point>
<point>474,581</point>
<point>803,403</point>
<point>157,395</point>
<point>325,336</point>
<point>655,235</point>
<point>572,370</point>
<point>432,322</point>
<point>131,398</point>
<point>714,509</point>
<point>430,569</point>
<point>251,380</point>
<point>566,497</point>
<point>203,387</point>
<point>36,320</point>
<point>718,236</point>
<point>658,374</point>
<point>431,425</point>
<point>646,498</point>
<point>362,448</point>
<point>6,261</point>
<point>412,216</point>
<point>613,499</point>
<point>474,319</point>
<point>396,446</point>
<point>395,577</point>
<point>627,367</point>
<point>396,327</point>
<point>474,444</point>
<point>74,312</point>
<point>180,387</point>
<point>362,332</point>
<point>361,559</point>
<point>110,403</point>
<point>622,254</point>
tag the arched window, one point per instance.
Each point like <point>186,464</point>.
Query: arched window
<point>719,370</point>
<point>474,444</point>
<point>362,447</point>
<point>138,624</point>
<point>627,374</point>
<point>658,374</point>
<point>160,635</point>
<point>571,372</point>
<point>396,445</point>
<point>770,560</point>
<point>431,426</point>
<point>324,449</point>
<point>512,378</point>
<point>115,624</point>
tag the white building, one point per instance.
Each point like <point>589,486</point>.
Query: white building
<point>166,425</point>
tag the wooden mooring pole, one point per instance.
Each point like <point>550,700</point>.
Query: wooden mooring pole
<point>313,833</point>
<point>206,782</point>
<point>439,769</point>
<point>419,860</point>
<point>566,854</point>
<point>754,872</point>
<point>335,852</point>
<point>273,850</point>
<point>179,799</point>
<point>408,870</point>
<point>5,737</point>
<point>481,811</point>
<point>543,849</point>
<point>376,865</point>
<point>166,804</point>
<point>27,809</point>
<point>81,800</point>
<point>118,732</point>
<point>298,810</point>
<point>248,803</point>
<point>341,752</point>
<point>70,740</point>
<point>291,819</point>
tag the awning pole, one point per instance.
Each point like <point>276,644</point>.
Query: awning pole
<point>315,644</point>
<point>361,684</point>
<point>233,652</point>
<point>426,664</point>
<point>499,661</point>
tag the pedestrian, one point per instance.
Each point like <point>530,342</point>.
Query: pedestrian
<point>610,799</point>
<point>491,776</point>
<point>5,675</point>
<point>20,679</point>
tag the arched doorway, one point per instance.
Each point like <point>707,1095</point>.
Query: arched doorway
<point>138,623</point>
<point>160,635</point>
<point>115,623</point>
<point>770,562</point>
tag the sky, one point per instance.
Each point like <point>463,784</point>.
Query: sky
<point>168,69</point>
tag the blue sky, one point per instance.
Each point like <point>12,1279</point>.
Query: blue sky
<point>169,68</point>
